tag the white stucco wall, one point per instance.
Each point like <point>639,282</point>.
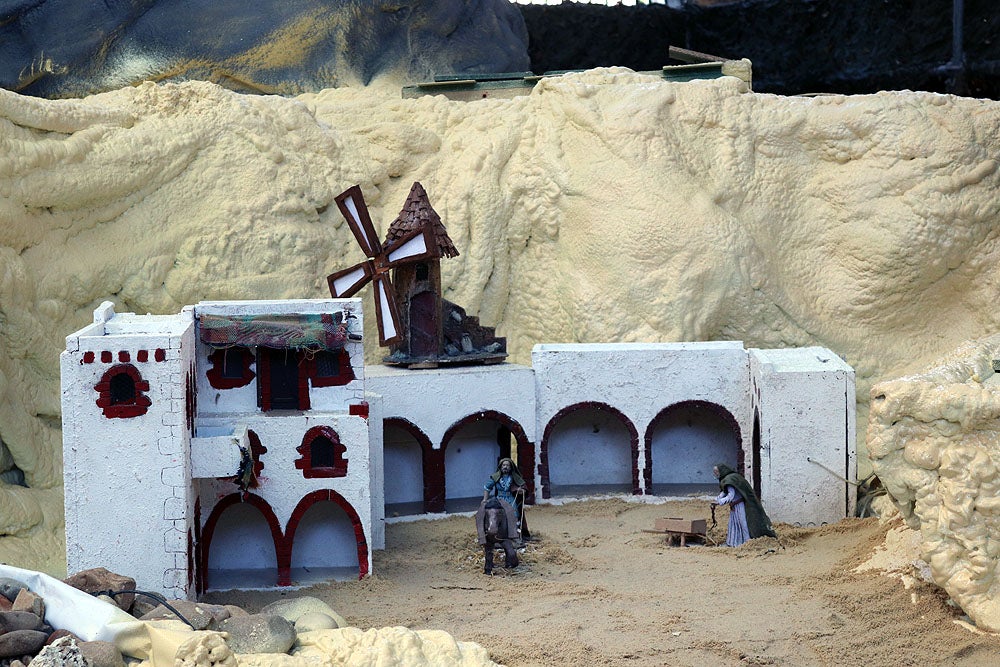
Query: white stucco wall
<point>435,399</point>
<point>137,494</point>
<point>376,464</point>
<point>641,380</point>
<point>805,398</point>
<point>127,479</point>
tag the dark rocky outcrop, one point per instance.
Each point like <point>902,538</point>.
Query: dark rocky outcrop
<point>68,48</point>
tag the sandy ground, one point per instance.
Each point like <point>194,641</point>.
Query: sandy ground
<point>593,589</point>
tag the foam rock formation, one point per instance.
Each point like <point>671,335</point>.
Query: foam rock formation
<point>605,206</point>
<point>934,440</point>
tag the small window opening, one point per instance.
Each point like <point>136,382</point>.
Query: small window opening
<point>321,453</point>
<point>422,271</point>
<point>232,364</point>
<point>122,389</point>
<point>327,365</point>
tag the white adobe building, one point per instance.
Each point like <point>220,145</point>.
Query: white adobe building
<point>162,413</point>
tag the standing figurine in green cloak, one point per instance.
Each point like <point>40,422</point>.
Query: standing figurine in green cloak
<point>747,518</point>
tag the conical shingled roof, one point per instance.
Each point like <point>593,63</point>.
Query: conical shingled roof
<point>416,213</point>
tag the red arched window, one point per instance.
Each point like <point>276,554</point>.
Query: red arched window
<point>322,454</point>
<point>121,392</point>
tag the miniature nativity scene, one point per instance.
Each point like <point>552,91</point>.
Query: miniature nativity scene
<point>257,447</point>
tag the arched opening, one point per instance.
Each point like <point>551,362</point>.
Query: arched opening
<point>472,447</point>
<point>403,463</point>
<point>588,449</point>
<point>469,460</point>
<point>324,540</point>
<point>240,541</point>
<point>324,546</point>
<point>684,441</point>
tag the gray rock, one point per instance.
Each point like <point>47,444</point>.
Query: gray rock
<point>259,633</point>
<point>102,654</point>
<point>315,620</point>
<point>56,635</point>
<point>143,605</point>
<point>9,588</point>
<point>64,652</point>
<point>293,608</point>
<point>235,611</point>
<point>19,620</point>
<point>21,642</point>
<point>201,616</point>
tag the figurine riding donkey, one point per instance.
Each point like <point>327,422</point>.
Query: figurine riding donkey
<point>500,520</point>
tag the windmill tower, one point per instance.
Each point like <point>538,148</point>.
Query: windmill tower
<point>421,328</point>
<point>418,283</point>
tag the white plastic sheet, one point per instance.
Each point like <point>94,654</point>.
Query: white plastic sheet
<point>92,619</point>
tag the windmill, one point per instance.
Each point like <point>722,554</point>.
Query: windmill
<point>414,246</point>
<point>422,328</point>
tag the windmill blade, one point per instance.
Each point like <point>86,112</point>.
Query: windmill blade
<point>386,312</point>
<point>347,282</point>
<point>413,247</point>
<point>352,205</point>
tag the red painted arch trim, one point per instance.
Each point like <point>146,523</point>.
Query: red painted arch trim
<point>721,412</point>
<point>284,563</point>
<point>308,501</point>
<point>543,453</point>
<point>525,449</point>
<point>432,462</point>
<point>133,408</point>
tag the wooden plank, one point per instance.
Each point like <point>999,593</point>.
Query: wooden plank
<point>689,56</point>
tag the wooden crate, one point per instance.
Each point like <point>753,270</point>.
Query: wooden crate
<point>677,525</point>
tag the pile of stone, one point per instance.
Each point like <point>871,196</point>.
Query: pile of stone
<point>26,638</point>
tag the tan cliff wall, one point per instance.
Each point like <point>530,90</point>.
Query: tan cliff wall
<point>934,440</point>
<point>605,206</point>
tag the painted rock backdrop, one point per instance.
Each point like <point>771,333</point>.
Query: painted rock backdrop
<point>605,206</point>
<point>70,48</point>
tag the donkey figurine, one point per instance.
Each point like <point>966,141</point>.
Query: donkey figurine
<point>496,525</point>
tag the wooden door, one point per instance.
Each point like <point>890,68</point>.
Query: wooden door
<point>423,331</point>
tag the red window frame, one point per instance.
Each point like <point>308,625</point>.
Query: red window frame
<point>237,355</point>
<point>135,407</point>
<point>345,372</point>
<point>304,462</point>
